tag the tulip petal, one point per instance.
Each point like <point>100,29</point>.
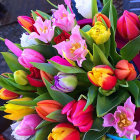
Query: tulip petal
<point>87,127</point>
<point>109,120</point>
<point>121,74</point>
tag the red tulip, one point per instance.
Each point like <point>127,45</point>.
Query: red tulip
<point>128,25</point>
<point>102,76</point>
<point>125,70</point>
<point>35,78</point>
<point>7,95</point>
<point>27,22</point>
<point>104,17</point>
<point>64,131</point>
<point>78,117</point>
<point>46,107</point>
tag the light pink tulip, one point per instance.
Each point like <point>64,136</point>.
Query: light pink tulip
<point>75,49</point>
<point>78,117</point>
<point>27,125</point>
<point>60,61</point>
<point>63,19</point>
<point>45,30</point>
<point>123,120</point>
<point>29,55</point>
<point>128,25</point>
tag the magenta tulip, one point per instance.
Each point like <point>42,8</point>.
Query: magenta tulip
<point>128,25</point>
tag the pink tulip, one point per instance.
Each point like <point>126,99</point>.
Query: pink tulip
<point>60,61</point>
<point>78,117</point>
<point>68,3</point>
<point>63,19</point>
<point>128,25</point>
<point>27,125</point>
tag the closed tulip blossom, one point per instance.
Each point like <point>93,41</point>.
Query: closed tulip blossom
<point>46,107</point>
<point>102,76</point>
<point>123,120</point>
<point>65,82</point>
<point>128,25</point>
<point>79,118</point>
<point>99,17</point>
<point>63,19</point>
<point>64,131</point>
<point>7,95</point>
<point>16,112</point>
<point>45,31</point>
<point>27,22</point>
<point>26,56</point>
<point>75,49</point>
<point>99,33</point>
<point>125,70</point>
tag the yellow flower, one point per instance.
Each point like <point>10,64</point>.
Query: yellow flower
<point>17,112</point>
<point>99,33</point>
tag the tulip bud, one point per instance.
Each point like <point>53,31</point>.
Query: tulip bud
<point>26,22</point>
<point>7,95</point>
<point>77,116</point>
<point>20,77</point>
<point>102,76</point>
<point>99,33</point>
<point>99,17</point>
<point>128,25</point>
<point>125,70</point>
<point>64,131</point>
<point>65,82</point>
<point>46,107</point>
<point>46,75</point>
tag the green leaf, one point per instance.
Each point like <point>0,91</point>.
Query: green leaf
<point>46,50</point>
<point>92,94</point>
<point>12,62</point>
<point>105,1</point>
<point>107,48</point>
<point>94,135</point>
<point>102,56</point>
<point>107,103</point>
<point>86,28</point>
<point>34,15</point>
<point>106,8</point>
<point>49,68</point>
<point>131,49</point>
<point>44,96</point>
<point>66,69</point>
<point>107,92</point>
<point>62,98</point>
<point>43,124</point>
<point>57,116</point>
<point>134,89</point>
<point>43,14</point>
<point>2,108</point>
<point>23,103</point>
<point>94,8</point>
<point>97,125</point>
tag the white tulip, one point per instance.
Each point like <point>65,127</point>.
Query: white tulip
<point>84,7</point>
<point>26,41</point>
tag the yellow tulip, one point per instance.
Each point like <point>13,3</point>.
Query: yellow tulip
<point>99,33</point>
<point>16,112</point>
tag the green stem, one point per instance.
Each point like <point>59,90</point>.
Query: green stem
<point>2,39</point>
<point>52,4</point>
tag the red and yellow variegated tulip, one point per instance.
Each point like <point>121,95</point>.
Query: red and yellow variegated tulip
<point>99,17</point>
<point>128,25</point>
<point>64,131</point>
<point>125,70</point>
<point>7,95</point>
<point>46,107</point>
<point>26,22</point>
<point>102,76</point>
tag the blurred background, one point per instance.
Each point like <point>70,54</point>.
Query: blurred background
<point>9,28</point>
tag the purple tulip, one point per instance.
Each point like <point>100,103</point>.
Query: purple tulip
<point>26,56</point>
<point>28,124</point>
<point>65,82</point>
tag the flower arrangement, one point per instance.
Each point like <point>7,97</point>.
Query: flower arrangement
<point>68,81</point>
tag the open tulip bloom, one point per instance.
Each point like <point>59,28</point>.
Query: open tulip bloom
<point>68,81</point>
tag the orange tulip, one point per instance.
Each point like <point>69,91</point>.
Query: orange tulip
<point>105,18</point>
<point>125,70</point>
<point>102,76</point>
<point>46,107</point>
<point>7,95</point>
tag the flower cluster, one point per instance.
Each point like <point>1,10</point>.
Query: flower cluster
<point>68,82</point>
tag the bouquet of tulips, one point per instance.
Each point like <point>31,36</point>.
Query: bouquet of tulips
<point>69,81</point>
